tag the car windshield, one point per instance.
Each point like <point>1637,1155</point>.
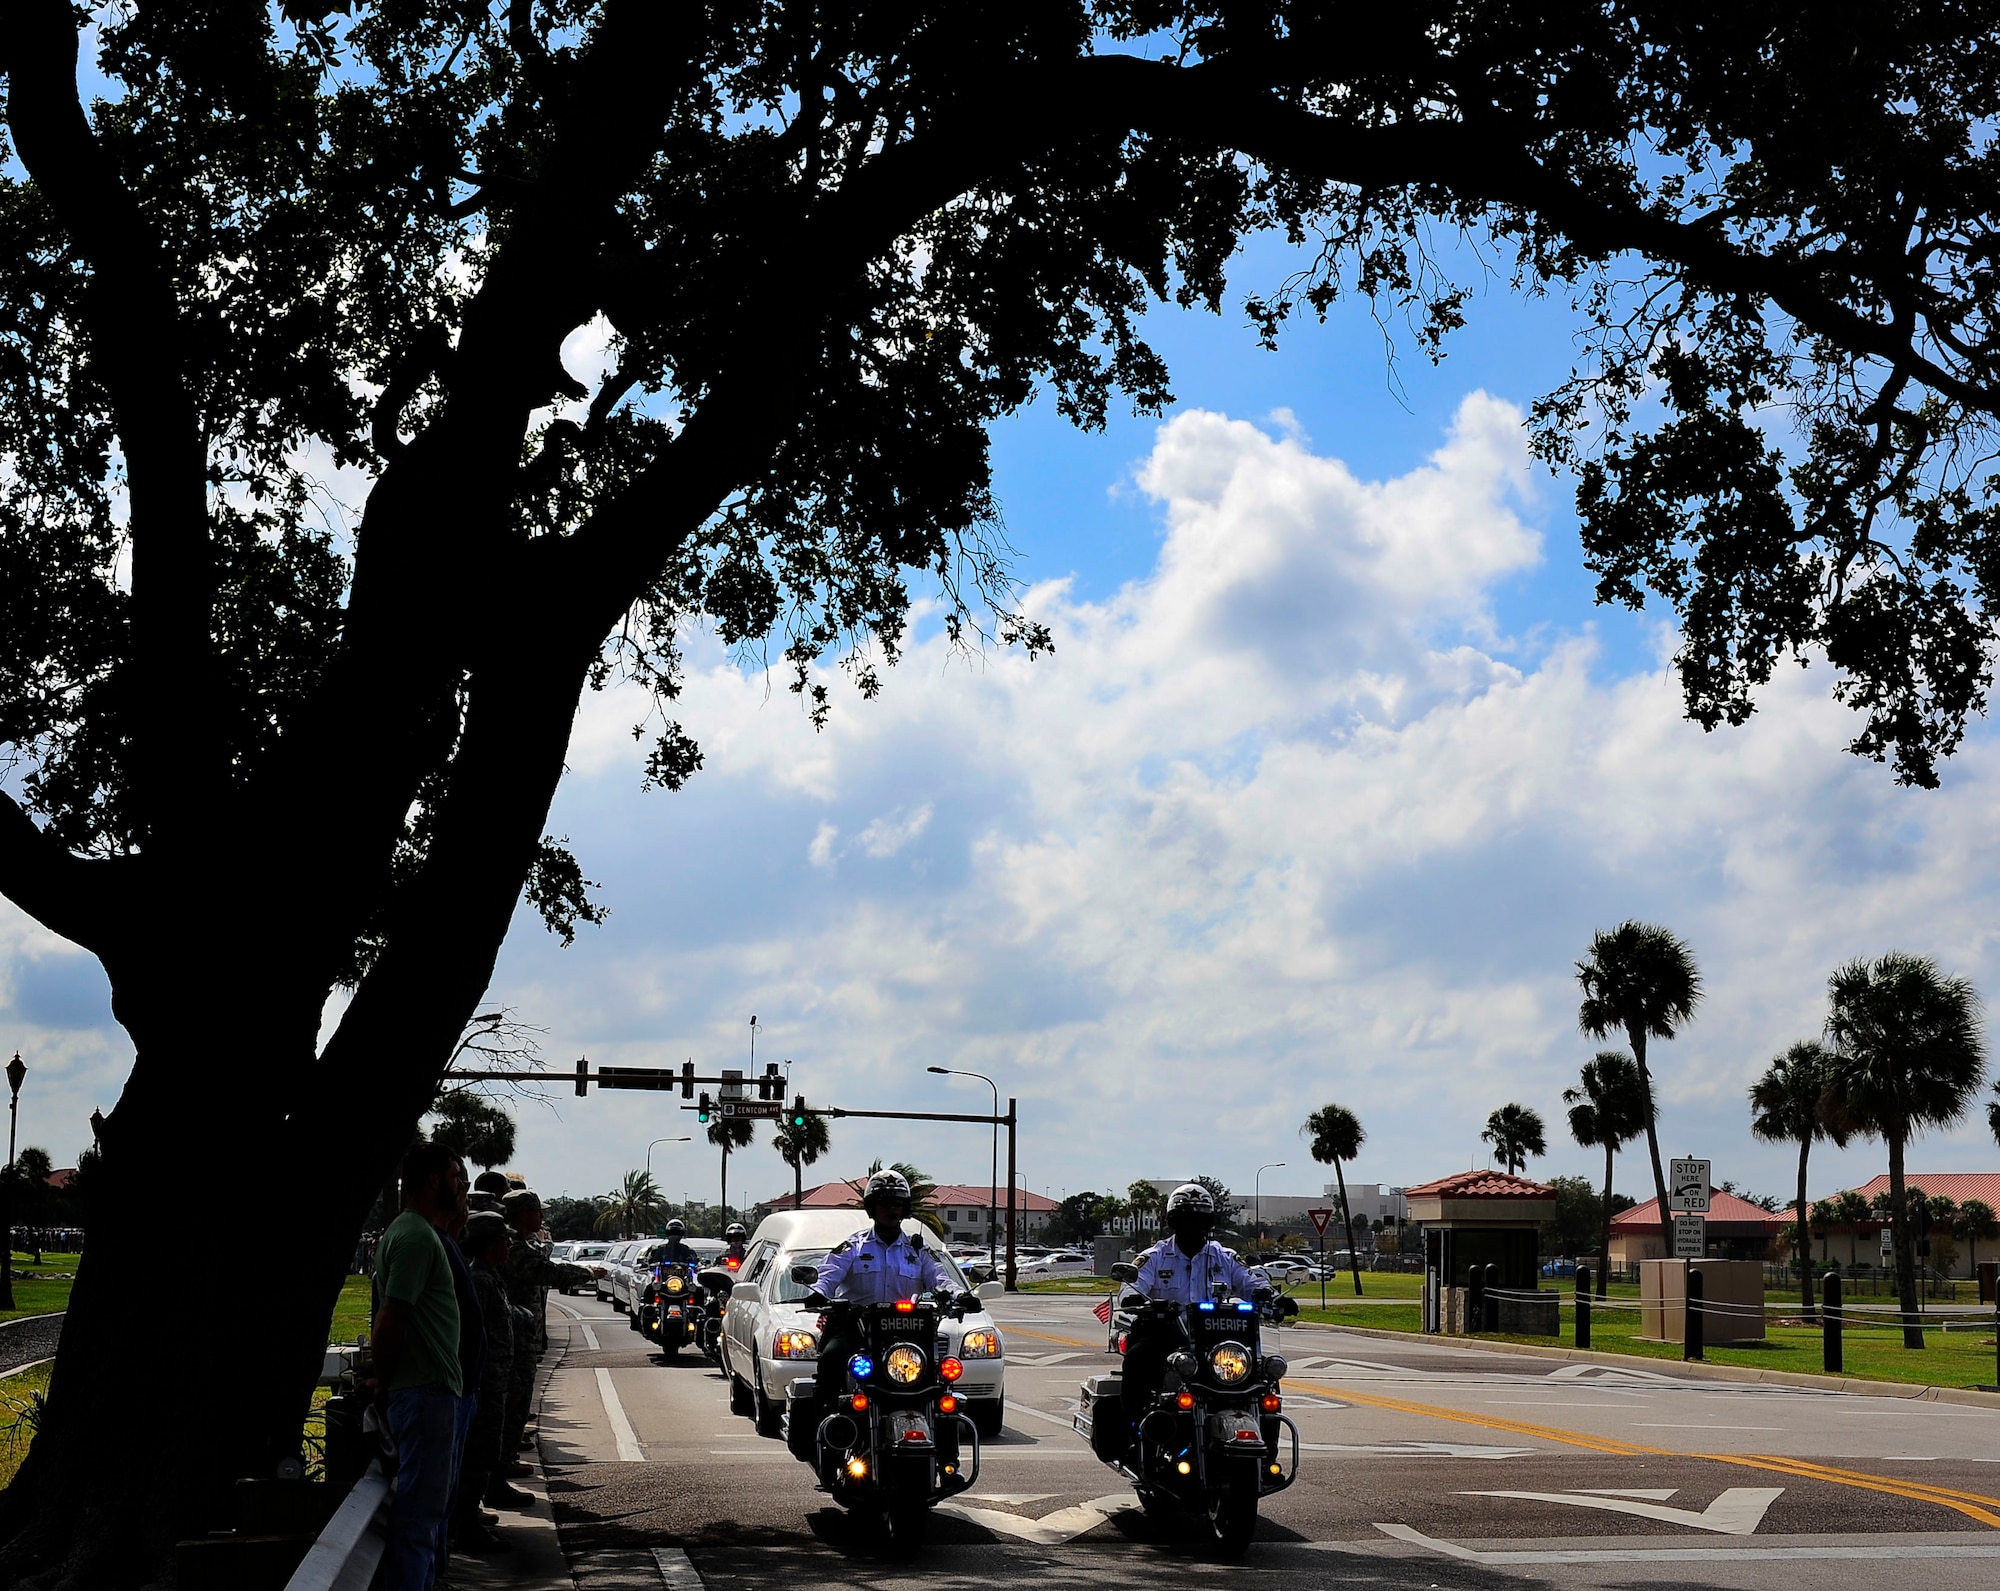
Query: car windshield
<point>790,1292</point>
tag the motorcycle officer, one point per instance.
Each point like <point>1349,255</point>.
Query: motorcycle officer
<point>878,1265</point>
<point>675,1251</point>
<point>1180,1269</point>
<point>738,1240</point>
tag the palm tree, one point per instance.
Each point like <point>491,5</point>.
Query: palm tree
<point>727,1133</point>
<point>799,1147</point>
<point>1788,1106</point>
<point>475,1128</point>
<point>1337,1135</point>
<point>923,1191</point>
<point>1640,980</point>
<point>1975,1221</point>
<point>1910,1053</point>
<point>1607,1112</point>
<point>1515,1132</point>
<point>633,1205</point>
<point>1145,1200</point>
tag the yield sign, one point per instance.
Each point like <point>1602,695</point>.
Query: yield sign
<point>1319,1220</point>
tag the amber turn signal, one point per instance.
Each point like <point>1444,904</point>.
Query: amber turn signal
<point>1183,1400</point>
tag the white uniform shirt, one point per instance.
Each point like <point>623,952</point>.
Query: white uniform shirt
<point>865,1270</point>
<point>1167,1274</point>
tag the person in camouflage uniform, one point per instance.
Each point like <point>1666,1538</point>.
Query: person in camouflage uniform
<point>528,1275</point>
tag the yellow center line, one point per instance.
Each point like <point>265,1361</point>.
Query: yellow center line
<point>1959,1502</point>
<point>1042,1336</point>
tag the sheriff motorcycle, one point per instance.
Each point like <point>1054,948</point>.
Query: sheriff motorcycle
<point>1214,1439</point>
<point>671,1308</point>
<point>896,1442</point>
<point>717,1282</point>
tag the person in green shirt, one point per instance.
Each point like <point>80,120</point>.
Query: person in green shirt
<point>416,1365</point>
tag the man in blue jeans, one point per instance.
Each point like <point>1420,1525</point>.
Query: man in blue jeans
<point>417,1366</point>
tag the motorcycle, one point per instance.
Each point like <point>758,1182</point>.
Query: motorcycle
<point>1212,1443</point>
<point>671,1308</point>
<point>717,1283</point>
<point>896,1443</point>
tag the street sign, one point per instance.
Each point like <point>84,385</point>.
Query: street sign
<point>732,1083</point>
<point>753,1107</point>
<point>1888,1241</point>
<point>1687,1186</point>
<point>1690,1237</point>
<point>1319,1220</point>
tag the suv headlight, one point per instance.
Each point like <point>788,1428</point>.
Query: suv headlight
<point>1230,1361</point>
<point>795,1345</point>
<point>980,1345</point>
<point>904,1364</point>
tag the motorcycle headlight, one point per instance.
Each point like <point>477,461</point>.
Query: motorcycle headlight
<point>795,1345</point>
<point>1230,1362</point>
<point>980,1345</point>
<point>904,1363</point>
<point>676,1284</point>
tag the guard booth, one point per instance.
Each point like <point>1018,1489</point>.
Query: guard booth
<point>1484,1218</point>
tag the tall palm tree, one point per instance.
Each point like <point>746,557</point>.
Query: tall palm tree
<point>1607,1111</point>
<point>728,1133</point>
<point>1975,1221</point>
<point>1640,980</point>
<point>636,1203</point>
<point>1337,1135</point>
<point>1910,1053</point>
<point>800,1147</point>
<point>1788,1106</point>
<point>923,1191</point>
<point>1515,1132</point>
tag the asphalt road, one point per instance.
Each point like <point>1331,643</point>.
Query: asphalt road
<point>1426,1466</point>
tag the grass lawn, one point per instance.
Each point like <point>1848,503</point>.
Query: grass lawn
<point>15,1433</point>
<point>45,1289</point>
<point>350,1312</point>
<point>1872,1352</point>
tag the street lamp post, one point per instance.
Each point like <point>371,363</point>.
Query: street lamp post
<point>1257,1193</point>
<point>684,1139</point>
<point>993,1188</point>
<point>16,1075</point>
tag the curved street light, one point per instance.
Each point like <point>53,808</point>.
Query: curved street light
<point>683,1139</point>
<point>1257,1192</point>
<point>993,1188</point>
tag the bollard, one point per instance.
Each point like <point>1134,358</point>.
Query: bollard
<point>1583,1306</point>
<point>1829,1323</point>
<point>1691,1329</point>
<point>1491,1321</point>
<point>1475,1299</point>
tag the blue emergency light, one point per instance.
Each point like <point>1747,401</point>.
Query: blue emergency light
<point>862,1366</point>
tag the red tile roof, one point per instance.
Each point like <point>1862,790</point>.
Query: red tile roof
<point>1957,1186</point>
<point>1482,1185</point>
<point>1724,1209</point>
<point>958,1193</point>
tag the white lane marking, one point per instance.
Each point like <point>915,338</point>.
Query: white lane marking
<point>1051,1530</point>
<point>748,1452</point>
<point>1040,1414</point>
<point>1893,1548</point>
<point>573,1315</point>
<point>677,1570</point>
<point>629,1450</point>
<point>1668,1425</point>
<point>1737,1512</point>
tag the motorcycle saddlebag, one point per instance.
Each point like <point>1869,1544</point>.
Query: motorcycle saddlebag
<point>1100,1416</point>
<point>802,1420</point>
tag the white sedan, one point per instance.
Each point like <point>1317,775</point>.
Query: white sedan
<point>770,1340</point>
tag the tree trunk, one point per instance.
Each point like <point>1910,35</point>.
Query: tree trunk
<point>1906,1259</point>
<point>1347,1220</point>
<point>1804,1244</point>
<point>1637,1036</point>
<point>1604,1254</point>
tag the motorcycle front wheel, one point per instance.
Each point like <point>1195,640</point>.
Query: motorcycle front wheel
<point>1232,1520</point>
<point>904,1522</point>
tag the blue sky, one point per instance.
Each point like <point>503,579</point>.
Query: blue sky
<point>1333,772</point>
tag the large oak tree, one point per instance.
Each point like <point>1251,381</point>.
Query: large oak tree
<point>262,751</point>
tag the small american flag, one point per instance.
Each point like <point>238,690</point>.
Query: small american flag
<point>1103,1309</point>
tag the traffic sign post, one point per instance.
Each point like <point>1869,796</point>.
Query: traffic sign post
<point>1319,1220</point>
<point>1687,1187</point>
<point>1690,1237</point>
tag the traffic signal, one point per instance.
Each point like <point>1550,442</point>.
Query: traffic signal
<point>771,1085</point>
<point>582,1078</point>
<point>702,1112</point>
<point>687,1079</point>
<point>799,1111</point>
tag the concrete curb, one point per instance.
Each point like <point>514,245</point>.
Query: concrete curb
<point>1909,1392</point>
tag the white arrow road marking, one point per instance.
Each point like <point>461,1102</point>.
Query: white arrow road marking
<point>1893,1547</point>
<point>1051,1530</point>
<point>1737,1512</point>
<point>1651,1494</point>
<point>1040,1361</point>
